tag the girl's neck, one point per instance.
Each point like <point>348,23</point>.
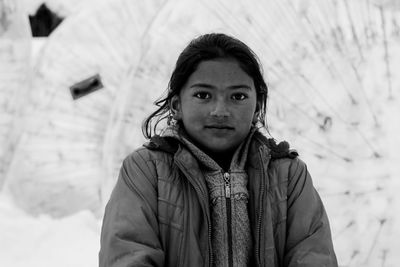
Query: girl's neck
<point>222,159</point>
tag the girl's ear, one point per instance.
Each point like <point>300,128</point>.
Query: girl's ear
<point>255,118</point>
<point>175,107</point>
<point>256,113</point>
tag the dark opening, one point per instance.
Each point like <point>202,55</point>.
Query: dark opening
<point>86,87</point>
<point>44,21</point>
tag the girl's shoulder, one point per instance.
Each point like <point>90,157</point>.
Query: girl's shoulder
<point>158,149</point>
<point>162,143</point>
<point>279,150</point>
<point>284,161</point>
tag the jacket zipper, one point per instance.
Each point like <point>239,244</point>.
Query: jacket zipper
<point>227,179</point>
<point>262,189</point>
<point>199,193</point>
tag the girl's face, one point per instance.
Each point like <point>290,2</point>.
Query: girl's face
<point>217,105</point>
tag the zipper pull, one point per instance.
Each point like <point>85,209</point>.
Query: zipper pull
<point>227,179</point>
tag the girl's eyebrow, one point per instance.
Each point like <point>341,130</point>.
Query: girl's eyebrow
<point>209,86</point>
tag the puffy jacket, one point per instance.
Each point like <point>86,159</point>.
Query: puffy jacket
<point>158,213</point>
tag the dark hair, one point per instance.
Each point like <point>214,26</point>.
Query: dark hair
<point>208,47</point>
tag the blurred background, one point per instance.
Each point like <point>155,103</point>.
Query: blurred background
<point>77,78</point>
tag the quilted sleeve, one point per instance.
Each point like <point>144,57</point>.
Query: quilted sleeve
<point>308,240</point>
<point>130,233</point>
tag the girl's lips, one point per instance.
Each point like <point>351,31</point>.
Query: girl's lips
<point>219,127</point>
<point>222,127</point>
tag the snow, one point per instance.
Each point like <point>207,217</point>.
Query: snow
<point>353,156</point>
<point>45,241</point>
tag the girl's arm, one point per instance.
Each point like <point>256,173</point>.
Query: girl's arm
<point>308,240</point>
<point>129,235</point>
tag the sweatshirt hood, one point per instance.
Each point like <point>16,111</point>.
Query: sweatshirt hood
<point>239,157</point>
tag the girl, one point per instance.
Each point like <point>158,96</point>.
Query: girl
<point>211,190</point>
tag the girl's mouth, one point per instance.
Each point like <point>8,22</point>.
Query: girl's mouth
<point>219,127</point>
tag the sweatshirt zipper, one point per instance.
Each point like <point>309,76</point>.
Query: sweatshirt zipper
<point>227,180</point>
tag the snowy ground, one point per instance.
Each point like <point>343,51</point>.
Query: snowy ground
<point>44,241</point>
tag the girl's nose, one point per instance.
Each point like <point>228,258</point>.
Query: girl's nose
<point>220,109</point>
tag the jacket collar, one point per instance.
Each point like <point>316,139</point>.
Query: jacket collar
<point>170,145</point>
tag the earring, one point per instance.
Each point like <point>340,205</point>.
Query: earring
<point>171,121</point>
<point>254,121</point>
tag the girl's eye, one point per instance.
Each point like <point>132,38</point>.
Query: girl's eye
<point>202,95</point>
<point>239,96</point>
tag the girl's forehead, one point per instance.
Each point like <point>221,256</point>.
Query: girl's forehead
<point>225,72</point>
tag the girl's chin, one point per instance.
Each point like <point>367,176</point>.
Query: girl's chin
<point>216,143</point>
<point>218,148</point>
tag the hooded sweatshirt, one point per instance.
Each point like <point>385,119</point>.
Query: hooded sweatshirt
<point>228,197</point>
